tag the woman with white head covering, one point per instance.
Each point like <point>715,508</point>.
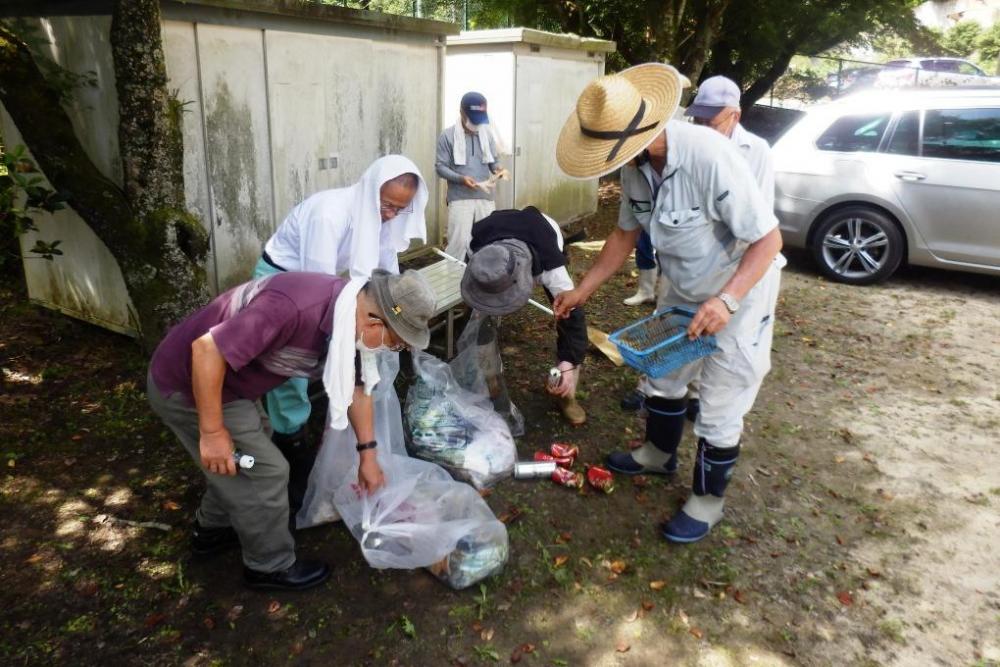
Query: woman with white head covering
<point>347,231</point>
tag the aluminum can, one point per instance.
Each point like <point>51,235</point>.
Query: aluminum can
<point>534,469</point>
<point>242,460</point>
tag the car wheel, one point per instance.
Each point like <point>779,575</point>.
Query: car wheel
<point>857,245</point>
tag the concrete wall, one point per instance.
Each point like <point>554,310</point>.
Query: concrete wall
<point>271,101</point>
<point>85,281</point>
<point>280,109</point>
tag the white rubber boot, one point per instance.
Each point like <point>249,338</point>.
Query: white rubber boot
<point>646,292</point>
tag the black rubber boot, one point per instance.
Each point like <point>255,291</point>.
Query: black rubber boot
<point>694,407</point>
<point>300,456</point>
<point>207,542</point>
<point>664,430</point>
<point>713,468</point>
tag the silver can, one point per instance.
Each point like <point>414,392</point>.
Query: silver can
<point>534,469</point>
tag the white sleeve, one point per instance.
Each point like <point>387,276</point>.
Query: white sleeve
<point>763,168</point>
<point>556,281</point>
<point>321,239</point>
<point>732,196</point>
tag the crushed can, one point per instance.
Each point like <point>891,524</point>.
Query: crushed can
<point>567,478</point>
<point>244,461</point>
<point>601,479</point>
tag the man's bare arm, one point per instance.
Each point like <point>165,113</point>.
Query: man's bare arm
<point>208,371</point>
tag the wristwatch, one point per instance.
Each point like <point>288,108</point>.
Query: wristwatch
<point>362,446</point>
<point>731,304</point>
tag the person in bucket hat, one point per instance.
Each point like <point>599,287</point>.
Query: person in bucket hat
<point>512,251</point>
<point>717,243</point>
<point>208,374</point>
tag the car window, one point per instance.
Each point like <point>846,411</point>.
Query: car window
<point>962,134</point>
<point>854,133</point>
<point>906,137</point>
<point>898,63</point>
<point>929,64</point>
<point>969,68</point>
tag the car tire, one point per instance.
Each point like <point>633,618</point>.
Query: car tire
<point>858,245</point>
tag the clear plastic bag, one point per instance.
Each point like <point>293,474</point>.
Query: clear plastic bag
<point>330,469</point>
<point>456,428</point>
<point>423,518</point>
<point>478,368</point>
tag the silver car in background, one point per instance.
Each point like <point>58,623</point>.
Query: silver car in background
<point>885,177</point>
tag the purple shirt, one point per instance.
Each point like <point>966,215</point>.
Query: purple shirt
<point>268,330</point>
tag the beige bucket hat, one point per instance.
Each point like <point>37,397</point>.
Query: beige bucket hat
<point>616,117</point>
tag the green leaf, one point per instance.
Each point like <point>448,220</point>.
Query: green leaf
<point>406,625</point>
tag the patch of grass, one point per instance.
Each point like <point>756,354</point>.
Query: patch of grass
<point>892,628</point>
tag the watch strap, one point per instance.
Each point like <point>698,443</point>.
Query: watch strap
<point>362,446</point>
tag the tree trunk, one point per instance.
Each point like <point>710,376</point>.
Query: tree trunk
<point>158,245</point>
<point>763,84</point>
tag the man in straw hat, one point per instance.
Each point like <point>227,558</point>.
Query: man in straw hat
<point>717,243</point>
<point>512,251</point>
<point>208,374</point>
<point>717,106</point>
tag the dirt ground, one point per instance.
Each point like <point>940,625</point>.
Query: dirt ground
<point>861,527</point>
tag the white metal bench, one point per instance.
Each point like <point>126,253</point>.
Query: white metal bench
<point>445,278</point>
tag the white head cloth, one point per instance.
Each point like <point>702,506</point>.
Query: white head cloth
<point>374,244</point>
<point>485,131</point>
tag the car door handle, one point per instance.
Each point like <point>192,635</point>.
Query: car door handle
<point>909,176</point>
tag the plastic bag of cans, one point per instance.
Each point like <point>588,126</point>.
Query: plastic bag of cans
<point>423,518</point>
<point>456,428</point>
<point>477,367</point>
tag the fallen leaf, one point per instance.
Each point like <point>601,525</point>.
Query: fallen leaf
<point>86,587</point>
<point>154,619</point>
<point>511,515</point>
<point>234,613</point>
<point>647,605</point>
<point>873,573</point>
<point>515,655</point>
<point>777,554</point>
<point>657,585</point>
<point>869,457</point>
<point>485,493</point>
<point>477,626</point>
<point>527,648</point>
<point>297,648</point>
<point>839,459</point>
<point>633,617</point>
<point>563,538</point>
<point>622,646</point>
<point>697,632</point>
<point>845,598</point>
<point>77,438</point>
<point>698,594</point>
<point>273,606</point>
<point>487,635</point>
<point>618,566</point>
<point>171,506</point>
<point>739,597</point>
<point>586,561</point>
<point>208,622</point>
<point>640,481</point>
<point>839,539</point>
<point>560,561</point>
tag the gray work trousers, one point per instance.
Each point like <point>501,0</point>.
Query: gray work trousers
<point>255,501</point>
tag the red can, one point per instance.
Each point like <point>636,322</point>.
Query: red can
<point>564,477</point>
<point>601,479</point>
<point>565,455</point>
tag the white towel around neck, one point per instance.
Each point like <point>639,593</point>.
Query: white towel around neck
<point>484,131</point>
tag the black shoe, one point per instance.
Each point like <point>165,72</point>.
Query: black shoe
<point>694,407</point>
<point>633,401</point>
<point>301,575</point>
<point>211,541</point>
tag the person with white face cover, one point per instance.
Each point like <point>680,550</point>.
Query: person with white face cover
<point>345,231</point>
<point>467,155</point>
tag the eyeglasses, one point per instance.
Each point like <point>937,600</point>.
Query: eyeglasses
<point>395,210</point>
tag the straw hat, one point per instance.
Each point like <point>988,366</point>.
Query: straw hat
<point>616,117</point>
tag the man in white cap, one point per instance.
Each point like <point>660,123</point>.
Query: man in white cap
<point>467,157</point>
<point>718,244</point>
<point>717,106</point>
<point>344,231</point>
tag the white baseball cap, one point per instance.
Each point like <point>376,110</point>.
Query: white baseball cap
<point>714,94</point>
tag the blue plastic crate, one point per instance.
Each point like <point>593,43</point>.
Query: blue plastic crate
<point>658,344</point>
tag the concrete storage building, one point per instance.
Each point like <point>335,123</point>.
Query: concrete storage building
<point>280,100</point>
<point>531,80</point>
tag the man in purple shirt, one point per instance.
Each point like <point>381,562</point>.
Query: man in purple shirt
<point>209,372</point>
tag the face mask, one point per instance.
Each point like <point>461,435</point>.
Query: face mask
<point>470,126</point>
<point>360,346</point>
